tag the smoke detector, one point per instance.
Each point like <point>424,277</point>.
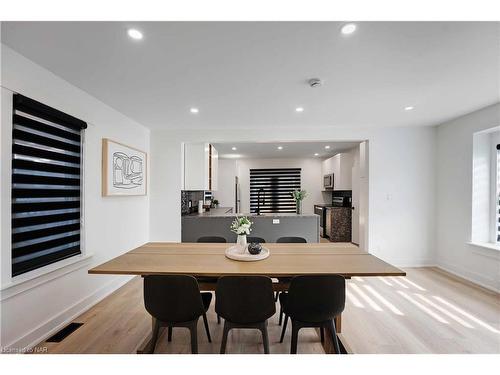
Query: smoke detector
<point>315,82</point>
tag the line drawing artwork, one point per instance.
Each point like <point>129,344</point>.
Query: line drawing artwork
<point>127,171</point>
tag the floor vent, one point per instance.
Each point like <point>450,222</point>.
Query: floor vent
<point>65,332</point>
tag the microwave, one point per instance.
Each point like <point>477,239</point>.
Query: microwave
<point>328,181</point>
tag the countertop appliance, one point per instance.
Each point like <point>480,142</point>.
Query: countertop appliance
<point>341,201</point>
<point>328,181</point>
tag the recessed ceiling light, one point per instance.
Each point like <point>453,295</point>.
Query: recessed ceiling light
<point>194,110</point>
<point>233,148</point>
<point>135,34</point>
<point>299,109</point>
<point>348,28</point>
<point>316,154</point>
<point>409,108</point>
<point>280,147</point>
<point>327,147</point>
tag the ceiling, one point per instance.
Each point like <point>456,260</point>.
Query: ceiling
<point>254,74</point>
<point>247,150</point>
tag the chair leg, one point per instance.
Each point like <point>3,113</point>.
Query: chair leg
<point>218,319</point>
<point>322,332</point>
<point>154,339</point>
<point>224,337</point>
<point>169,334</point>
<point>335,339</point>
<point>295,335</point>
<point>265,337</point>
<point>194,337</point>
<point>284,329</point>
<point>281,315</point>
<point>205,321</point>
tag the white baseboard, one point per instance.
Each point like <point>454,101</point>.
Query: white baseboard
<point>473,277</point>
<point>417,264</point>
<point>47,329</point>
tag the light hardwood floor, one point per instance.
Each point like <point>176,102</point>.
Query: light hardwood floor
<point>429,311</point>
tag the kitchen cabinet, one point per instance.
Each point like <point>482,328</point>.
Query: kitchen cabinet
<point>341,167</point>
<point>338,221</point>
<point>201,166</point>
<point>328,222</point>
<point>327,166</point>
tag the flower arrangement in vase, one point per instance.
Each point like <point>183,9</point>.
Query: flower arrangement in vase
<point>242,226</point>
<point>298,196</point>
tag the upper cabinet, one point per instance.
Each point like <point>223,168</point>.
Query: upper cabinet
<point>327,166</point>
<point>201,164</point>
<point>341,167</point>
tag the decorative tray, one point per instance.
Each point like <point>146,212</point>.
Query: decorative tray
<point>234,253</point>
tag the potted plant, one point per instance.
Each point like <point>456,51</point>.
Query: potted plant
<point>241,226</point>
<point>298,196</point>
<point>215,203</point>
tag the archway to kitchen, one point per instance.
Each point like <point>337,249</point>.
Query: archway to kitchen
<point>252,178</point>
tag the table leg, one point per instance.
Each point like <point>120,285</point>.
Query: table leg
<point>145,346</point>
<point>328,345</point>
<point>338,323</point>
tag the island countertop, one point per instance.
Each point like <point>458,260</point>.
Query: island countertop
<point>269,227</point>
<point>223,212</point>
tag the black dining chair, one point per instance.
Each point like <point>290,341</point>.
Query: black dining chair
<point>211,239</point>
<point>291,240</point>
<point>211,280</point>
<point>255,240</point>
<point>313,301</point>
<point>284,279</point>
<point>245,302</point>
<point>176,301</point>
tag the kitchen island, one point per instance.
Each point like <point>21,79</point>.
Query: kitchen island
<point>270,227</point>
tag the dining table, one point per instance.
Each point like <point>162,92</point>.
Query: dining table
<point>285,260</point>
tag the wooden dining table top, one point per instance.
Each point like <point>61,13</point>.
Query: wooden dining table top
<point>285,259</point>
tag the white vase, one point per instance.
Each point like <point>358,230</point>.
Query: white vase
<point>242,242</point>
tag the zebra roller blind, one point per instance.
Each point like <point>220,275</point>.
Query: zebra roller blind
<point>275,186</point>
<point>46,185</point>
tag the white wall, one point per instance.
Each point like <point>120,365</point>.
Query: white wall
<point>113,225</point>
<point>454,200</point>
<point>401,189</point>
<point>311,178</point>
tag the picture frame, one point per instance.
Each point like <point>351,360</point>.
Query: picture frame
<point>124,170</point>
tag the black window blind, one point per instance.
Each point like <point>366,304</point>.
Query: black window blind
<point>275,187</point>
<point>46,185</point>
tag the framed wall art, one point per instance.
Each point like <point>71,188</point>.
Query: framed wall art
<point>124,170</point>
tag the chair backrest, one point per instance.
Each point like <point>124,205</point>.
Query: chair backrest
<point>316,298</point>
<point>245,299</point>
<point>172,298</point>
<point>255,240</point>
<point>212,239</point>
<point>291,240</point>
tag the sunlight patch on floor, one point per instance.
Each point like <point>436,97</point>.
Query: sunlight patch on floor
<point>444,311</point>
<point>365,298</point>
<point>466,314</point>
<point>396,281</point>
<point>415,285</point>
<point>438,317</point>
<point>354,300</point>
<point>377,295</point>
<point>384,281</point>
